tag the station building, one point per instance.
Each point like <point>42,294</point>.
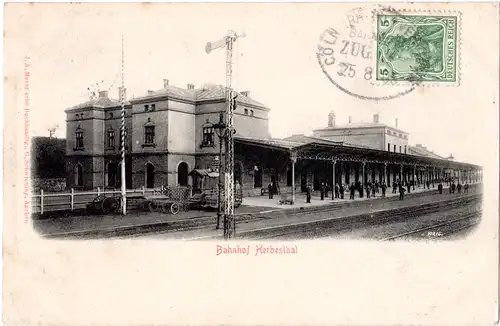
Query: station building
<point>169,135</point>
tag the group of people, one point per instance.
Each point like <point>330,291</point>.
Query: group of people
<point>371,189</point>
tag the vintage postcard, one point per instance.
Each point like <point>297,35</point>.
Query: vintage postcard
<point>263,163</point>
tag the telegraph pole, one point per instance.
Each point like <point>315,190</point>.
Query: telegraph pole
<point>228,42</point>
<point>122,138</point>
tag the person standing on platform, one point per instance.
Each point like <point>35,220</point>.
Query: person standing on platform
<point>453,186</point>
<point>440,188</point>
<point>384,187</point>
<point>308,194</point>
<point>427,184</point>
<point>270,190</point>
<point>466,188</point>
<point>336,190</point>
<point>408,186</point>
<point>327,188</point>
<point>352,189</point>
<point>394,187</point>
<point>322,191</point>
<point>341,189</point>
<point>401,192</point>
<point>459,187</point>
<point>368,188</point>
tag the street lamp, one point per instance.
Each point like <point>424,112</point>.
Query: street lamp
<point>220,128</point>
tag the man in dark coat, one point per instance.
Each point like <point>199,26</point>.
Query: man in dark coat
<point>440,188</point>
<point>394,187</point>
<point>384,187</point>
<point>336,190</point>
<point>270,190</point>
<point>428,184</point>
<point>368,188</point>
<point>466,188</point>
<point>352,189</point>
<point>322,191</point>
<point>401,192</point>
<point>308,194</point>
<point>459,187</point>
<point>341,190</point>
<point>408,186</point>
<point>453,186</point>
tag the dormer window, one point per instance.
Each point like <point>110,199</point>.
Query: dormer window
<point>111,115</point>
<point>153,107</point>
<point>146,108</point>
<point>246,111</point>
<point>251,113</point>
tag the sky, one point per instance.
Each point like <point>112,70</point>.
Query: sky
<point>74,46</point>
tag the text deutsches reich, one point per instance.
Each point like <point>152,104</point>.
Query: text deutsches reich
<point>257,249</point>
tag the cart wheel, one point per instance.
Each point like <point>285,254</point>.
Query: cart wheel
<point>151,207</point>
<point>109,205</point>
<point>174,208</point>
<point>165,208</point>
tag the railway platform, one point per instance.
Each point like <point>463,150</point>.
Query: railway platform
<point>254,208</point>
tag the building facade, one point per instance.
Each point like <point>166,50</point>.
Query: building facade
<point>169,132</point>
<point>171,141</point>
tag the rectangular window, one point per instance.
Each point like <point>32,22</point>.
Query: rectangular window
<point>208,137</point>
<point>79,139</point>
<point>405,149</point>
<point>146,108</point>
<point>388,147</point>
<point>149,135</point>
<point>153,107</point>
<point>400,148</point>
<point>111,138</point>
<point>394,148</point>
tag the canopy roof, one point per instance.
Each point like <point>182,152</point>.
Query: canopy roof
<point>330,152</point>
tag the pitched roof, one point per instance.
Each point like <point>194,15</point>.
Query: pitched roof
<point>101,102</point>
<point>420,151</point>
<point>274,142</point>
<point>356,125</point>
<point>310,139</point>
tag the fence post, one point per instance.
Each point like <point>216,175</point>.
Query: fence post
<point>98,191</point>
<point>41,201</point>
<point>72,198</point>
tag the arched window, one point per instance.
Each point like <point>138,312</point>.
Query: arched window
<point>150,175</point>
<point>78,175</point>
<point>182,174</point>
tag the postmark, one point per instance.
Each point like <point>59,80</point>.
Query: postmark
<point>347,53</point>
<point>413,47</point>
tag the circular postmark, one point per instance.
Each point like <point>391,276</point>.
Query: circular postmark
<point>347,56</point>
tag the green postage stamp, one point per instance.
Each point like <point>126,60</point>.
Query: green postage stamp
<point>417,48</point>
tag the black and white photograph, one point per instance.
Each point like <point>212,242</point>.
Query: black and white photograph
<point>240,129</point>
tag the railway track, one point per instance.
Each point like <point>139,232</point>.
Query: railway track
<point>325,225</point>
<point>442,229</point>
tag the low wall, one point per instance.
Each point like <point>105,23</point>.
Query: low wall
<point>49,185</point>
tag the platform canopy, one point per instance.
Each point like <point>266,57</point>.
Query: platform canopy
<point>326,150</point>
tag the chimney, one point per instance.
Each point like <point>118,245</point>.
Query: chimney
<point>396,122</point>
<point>376,118</point>
<point>245,93</point>
<point>331,119</point>
<point>190,86</point>
<point>150,92</point>
<point>103,94</point>
<point>165,83</point>
<point>124,93</point>
<point>350,119</point>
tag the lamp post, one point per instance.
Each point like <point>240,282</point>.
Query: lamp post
<point>220,129</point>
